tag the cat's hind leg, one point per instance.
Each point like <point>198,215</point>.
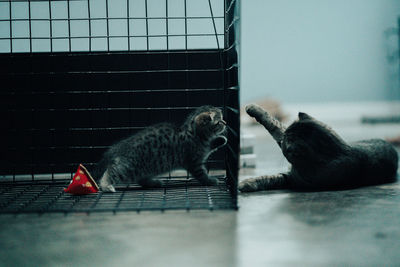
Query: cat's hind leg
<point>105,183</point>
<point>115,172</point>
<point>274,127</point>
<point>266,182</point>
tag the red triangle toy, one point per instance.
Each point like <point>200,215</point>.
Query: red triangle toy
<point>82,183</point>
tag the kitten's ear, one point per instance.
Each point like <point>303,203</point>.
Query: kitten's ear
<point>304,116</point>
<point>203,118</point>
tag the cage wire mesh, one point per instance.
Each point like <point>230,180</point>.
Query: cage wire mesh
<point>117,25</point>
<point>79,75</point>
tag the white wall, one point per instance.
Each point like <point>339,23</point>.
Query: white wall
<point>318,50</point>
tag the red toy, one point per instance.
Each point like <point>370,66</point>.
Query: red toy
<point>82,183</point>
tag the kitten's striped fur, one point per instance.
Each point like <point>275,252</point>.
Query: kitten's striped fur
<point>162,148</point>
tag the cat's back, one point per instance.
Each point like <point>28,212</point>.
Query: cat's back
<point>153,136</point>
<point>380,158</point>
<point>377,148</point>
<point>157,131</point>
<point>150,151</point>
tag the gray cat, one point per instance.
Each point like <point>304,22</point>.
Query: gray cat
<point>320,159</point>
<point>162,148</point>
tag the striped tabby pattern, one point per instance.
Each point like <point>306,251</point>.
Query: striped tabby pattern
<point>162,148</point>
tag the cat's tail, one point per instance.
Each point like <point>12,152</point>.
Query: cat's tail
<point>265,182</point>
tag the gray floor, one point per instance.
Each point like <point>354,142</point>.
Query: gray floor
<point>348,228</point>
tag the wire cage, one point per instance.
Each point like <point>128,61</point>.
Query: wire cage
<point>78,75</point>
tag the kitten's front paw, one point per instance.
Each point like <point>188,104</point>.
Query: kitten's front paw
<point>247,186</point>
<point>253,110</point>
<point>219,142</point>
<point>222,140</point>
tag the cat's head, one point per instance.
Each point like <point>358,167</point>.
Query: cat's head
<point>207,122</point>
<point>309,140</point>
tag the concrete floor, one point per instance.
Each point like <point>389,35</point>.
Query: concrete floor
<point>347,228</point>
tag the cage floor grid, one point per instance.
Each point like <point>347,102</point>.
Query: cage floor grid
<point>49,196</point>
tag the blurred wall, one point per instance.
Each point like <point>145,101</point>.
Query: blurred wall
<point>319,50</point>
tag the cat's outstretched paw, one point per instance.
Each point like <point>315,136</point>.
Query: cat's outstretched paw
<point>254,110</point>
<point>248,185</point>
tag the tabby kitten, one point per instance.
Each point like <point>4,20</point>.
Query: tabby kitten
<point>320,159</point>
<point>162,148</point>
